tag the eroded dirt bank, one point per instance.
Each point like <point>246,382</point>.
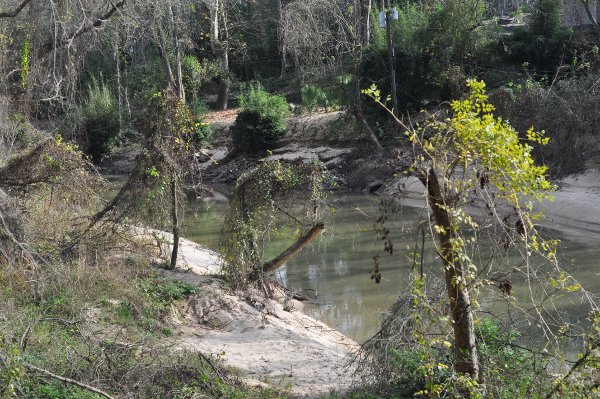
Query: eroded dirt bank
<point>332,138</point>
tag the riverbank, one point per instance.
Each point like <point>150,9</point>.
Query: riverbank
<point>332,138</point>
<point>269,344</point>
<point>574,207</point>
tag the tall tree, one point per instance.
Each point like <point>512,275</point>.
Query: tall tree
<point>325,40</point>
<point>53,38</point>
<point>219,43</point>
<point>474,159</point>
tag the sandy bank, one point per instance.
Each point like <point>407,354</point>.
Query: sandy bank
<point>267,344</point>
<point>575,207</point>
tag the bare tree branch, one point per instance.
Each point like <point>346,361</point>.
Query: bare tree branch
<point>16,11</point>
<point>588,11</point>
<point>97,22</point>
<point>66,380</point>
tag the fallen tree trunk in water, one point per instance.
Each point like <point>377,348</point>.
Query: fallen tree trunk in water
<point>296,247</point>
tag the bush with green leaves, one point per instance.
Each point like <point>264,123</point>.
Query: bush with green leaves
<point>546,19</point>
<point>101,120</point>
<point>198,107</point>
<point>162,292</point>
<point>255,132</point>
<point>55,390</point>
<point>545,47</point>
<point>510,371</point>
<point>256,98</point>
<point>312,97</point>
<point>203,133</point>
<point>192,70</point>
<point>261,120</point>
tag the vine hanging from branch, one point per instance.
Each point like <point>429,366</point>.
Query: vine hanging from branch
<point>166,167</point>
<point>271,201</point>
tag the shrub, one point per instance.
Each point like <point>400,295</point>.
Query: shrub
<point>162,292</point>
<point>546,18</point>
<point>313,96</point>
<point>55,390</point>
<point>450,29</point>
<point>199,107</point>
<point>203,132</point>
<point>192,71</point>
<point>101,116</point>
<point>544,44</point>
<point>509,370</point>
<point>16,133</point>
<point>261,120</point>
<point>256,98</point>
<point>254,131</point>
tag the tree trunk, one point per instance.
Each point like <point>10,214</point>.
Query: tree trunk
<point>467,361</point>
<point>367,26</point>
<point>296,247</point>
<point>591,16</point>
<point>366,128</point>
<point>223,96</point>
<point>220,52</point>
<point>280,38</point>
<point>164,57</point>
<point>363,21</point>
<point>175,221</point>
<point>176,48</point>
<point>119,86</point>
<point>391,57</point>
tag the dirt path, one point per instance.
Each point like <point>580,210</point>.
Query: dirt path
<point>284,349</point>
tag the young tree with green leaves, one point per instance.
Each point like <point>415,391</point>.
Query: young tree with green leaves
<point>480,180</point>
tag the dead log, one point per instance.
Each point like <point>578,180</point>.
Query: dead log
<point>296,247</point>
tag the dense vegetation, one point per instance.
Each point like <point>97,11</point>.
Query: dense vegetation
<point>84,81</point>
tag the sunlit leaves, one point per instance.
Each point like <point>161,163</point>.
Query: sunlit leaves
<point>482,141</point>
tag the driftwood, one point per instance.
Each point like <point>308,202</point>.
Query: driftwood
<point>296,247</point>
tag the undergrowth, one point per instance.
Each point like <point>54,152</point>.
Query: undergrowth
<point>108,328</point>
<point>86,305</point>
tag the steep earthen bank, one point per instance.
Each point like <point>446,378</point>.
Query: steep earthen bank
<point>332,138</point>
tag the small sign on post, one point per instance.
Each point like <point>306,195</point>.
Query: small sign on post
<point>382,22</point>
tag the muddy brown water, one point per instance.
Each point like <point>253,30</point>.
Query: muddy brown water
<point>337,266</point>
